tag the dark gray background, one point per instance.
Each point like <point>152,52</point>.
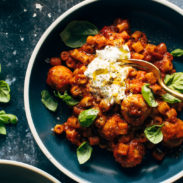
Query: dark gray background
<point>22,23</point>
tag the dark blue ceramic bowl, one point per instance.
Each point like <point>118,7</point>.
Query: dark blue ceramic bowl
<point>17,172</point>
<point>162,22</point>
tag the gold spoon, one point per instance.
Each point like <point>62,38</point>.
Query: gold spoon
<point>141,64</point>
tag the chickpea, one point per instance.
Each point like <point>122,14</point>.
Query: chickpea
<point>81,79</point>
<point>76,91</point>
<point>86,101</point>
<point>104,105</point>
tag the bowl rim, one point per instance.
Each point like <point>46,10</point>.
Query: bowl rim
<point>30,168</point>
<point>27,83</point>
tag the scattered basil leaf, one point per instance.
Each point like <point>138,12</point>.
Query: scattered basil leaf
<point>2,112</point>
<point>2,129</point>
<point>148,96</point>
<point>177,52</point>
<point>154,133</point>
<point>76,32</point>
<point>84,152</point>
<point>170,98</point>
<point>175,81</point>
<point>49,102</point>
<point>7,118</point>
<point>4,92</point>
<point>87,117</point>
<point>66,98</point>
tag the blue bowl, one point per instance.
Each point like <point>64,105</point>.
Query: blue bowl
<point>17,172</point>
<point>162,22</point>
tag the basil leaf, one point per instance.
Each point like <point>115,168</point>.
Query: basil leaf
<point>2,129</point>
<point>87,117</point>
<point>2,112</point>
<point>170,98</point>
<point>76,32</point>
<point>177,52</point>
<point>84,152</point>
<point>4,92</point>
<point>8,118</point>
<point>154,133</point>
<point>175,81</point>
<point>48,101</point>
<point>148,96</point>
<point>66,98</point>
<point>168,79</point>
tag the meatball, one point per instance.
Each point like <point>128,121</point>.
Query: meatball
<point>59,77</point>
<point>129,155</point>
<point>134,109</point>
<point>113,127</point>
<point>173,133</point>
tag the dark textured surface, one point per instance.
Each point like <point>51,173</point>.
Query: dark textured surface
<point>22,23</point>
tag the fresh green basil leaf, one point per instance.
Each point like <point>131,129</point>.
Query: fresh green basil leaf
<point>2,112</point>
<point>49,102</point>
<point>177,52</point>
<point>87,117</point>
<point>168,79</point>
<point>8,118</point>
<point>2,129</point>
<point>84,152</point>
<point>4,92</point>
<point>66,98</point>
<point>76,32</point>
<point>154,133</point>
<point>175,81</point>
<point>148,96</point>
<point>170,98</point>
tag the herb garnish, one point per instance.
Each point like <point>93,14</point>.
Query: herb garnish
<point>76,32</point>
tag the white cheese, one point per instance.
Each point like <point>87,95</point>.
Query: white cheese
<point>107,74</point>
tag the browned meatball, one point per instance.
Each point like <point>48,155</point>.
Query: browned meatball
<point>173,133</point>
<point>129,155</point>
<point>134,109</point>
<point>113,127</point>
<point>59,77</point>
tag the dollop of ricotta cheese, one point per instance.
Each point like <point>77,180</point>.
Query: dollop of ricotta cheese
<point>107,73</point>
